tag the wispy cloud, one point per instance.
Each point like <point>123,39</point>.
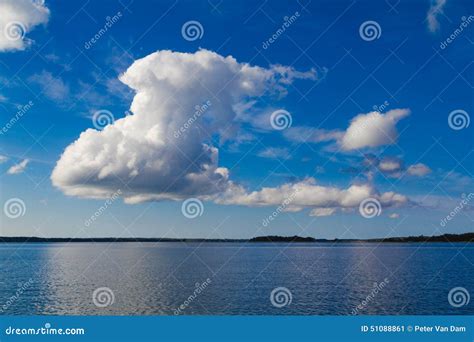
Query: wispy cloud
<point>274,153</point>
<point>53,87</point>
<point>435,10</point>
<point>18,168</point>
<point>419,170</point>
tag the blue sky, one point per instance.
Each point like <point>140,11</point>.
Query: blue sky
<point>369,118</point>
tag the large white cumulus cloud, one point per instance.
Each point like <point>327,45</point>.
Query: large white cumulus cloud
<point>17,18</point>
<point>141,154</point>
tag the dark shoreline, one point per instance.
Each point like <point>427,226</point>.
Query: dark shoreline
<point>467,238</point>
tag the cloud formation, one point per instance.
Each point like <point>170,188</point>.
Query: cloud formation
<point>18,17</point>
<point>372,129</point>
<point>436,8</point>
<point>275,153</point>
<point>393,167</point>
<point>367,130</point>
<point>142,151</point>
<point>142,156</point>
<point>419,170</point>
<point>311,135</point>
<point>52,87</point>
<point>390,165</point>
<point>18,168</point>
<point>322,200</point>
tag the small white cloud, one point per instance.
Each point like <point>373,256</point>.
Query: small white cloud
<point>418,170</point>
<point>274,153</point>
<point>365,130</point>
<point>18,168</point>
<point>390,165</point>
<point>322,212</point>
<point>3,159</point>
<point>18,17</point>
<point>394,216</point>
<point>436,9</point>
<point>372,129</point>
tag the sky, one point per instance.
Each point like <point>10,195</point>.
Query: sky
<point>224,119</point>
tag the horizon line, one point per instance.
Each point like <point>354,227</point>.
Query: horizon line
<point>462,237</point>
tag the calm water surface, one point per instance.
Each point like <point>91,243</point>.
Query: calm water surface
<point>157,278</point>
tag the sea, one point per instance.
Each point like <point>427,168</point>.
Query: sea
<point>236,278</point>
